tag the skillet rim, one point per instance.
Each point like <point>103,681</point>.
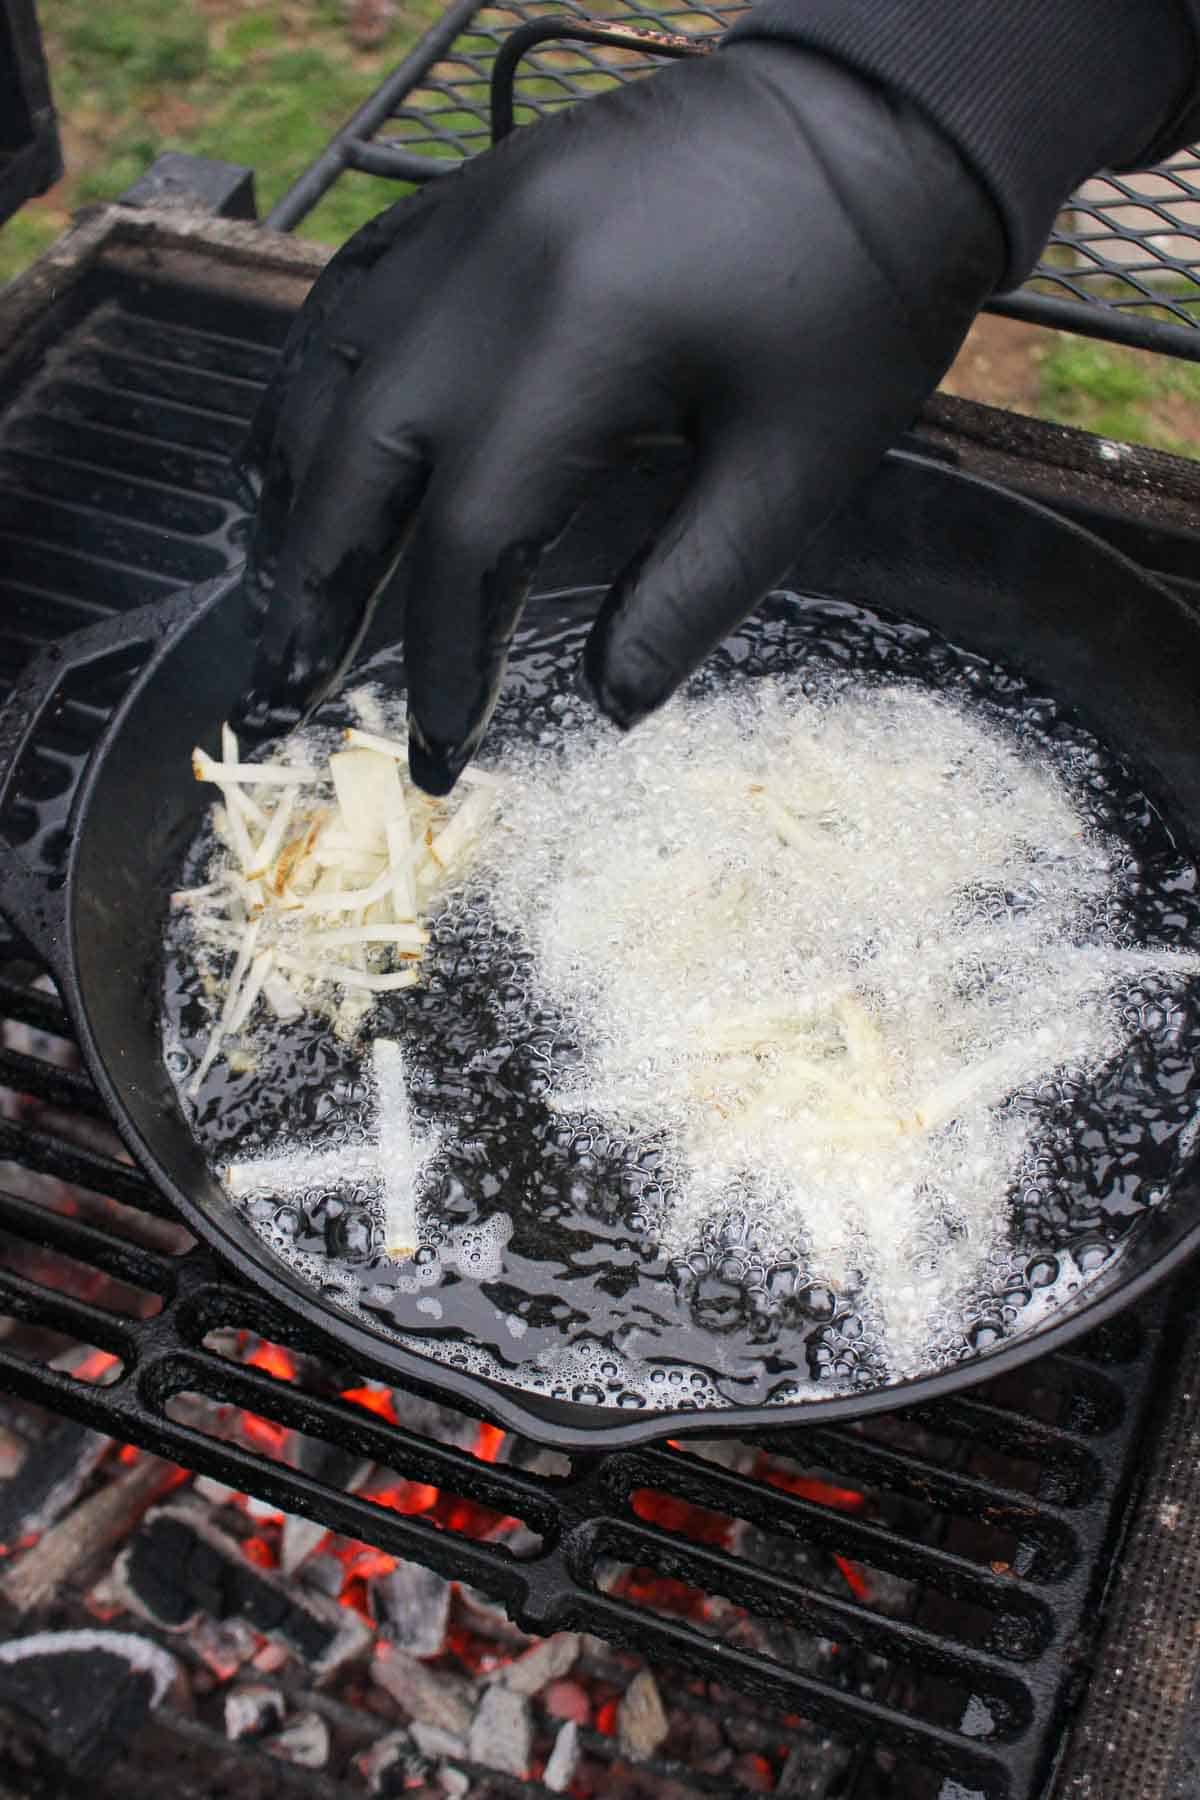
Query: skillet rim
<point>560,1424</point>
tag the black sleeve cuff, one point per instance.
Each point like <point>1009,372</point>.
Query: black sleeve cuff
<point>1036,94</point>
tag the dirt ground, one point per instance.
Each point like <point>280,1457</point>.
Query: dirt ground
<point>999,364</point>
<point>1123,393</point>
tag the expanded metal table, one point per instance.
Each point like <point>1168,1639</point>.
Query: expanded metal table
<point>1122,263</point>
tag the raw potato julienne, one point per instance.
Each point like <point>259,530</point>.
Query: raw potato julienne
<point>329,874</point>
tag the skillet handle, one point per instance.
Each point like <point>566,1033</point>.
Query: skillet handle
<point>48,729</point>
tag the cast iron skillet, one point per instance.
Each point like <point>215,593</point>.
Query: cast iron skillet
<point>991,572</point>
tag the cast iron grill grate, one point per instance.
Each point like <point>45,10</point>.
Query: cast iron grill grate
<point>968,1531</point>
<point>969,1551</point>
<point>1123,261</point>
<point>114,473</point>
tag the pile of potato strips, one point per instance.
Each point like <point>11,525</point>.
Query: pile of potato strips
<point>323,879</point>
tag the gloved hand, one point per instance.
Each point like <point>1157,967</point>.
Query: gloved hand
<point>758,250</point>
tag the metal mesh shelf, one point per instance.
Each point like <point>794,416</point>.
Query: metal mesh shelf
<point>1122,263</point>
<point>448,115</point>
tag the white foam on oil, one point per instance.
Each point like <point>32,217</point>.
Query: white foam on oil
<point>587,1372</point>
<point>402,1153</point>
<point>814,947</point>
<point>476,1252</point>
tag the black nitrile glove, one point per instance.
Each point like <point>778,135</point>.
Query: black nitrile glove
<point>759,251</point>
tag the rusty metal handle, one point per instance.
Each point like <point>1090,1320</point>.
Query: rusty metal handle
<point>574,31</point>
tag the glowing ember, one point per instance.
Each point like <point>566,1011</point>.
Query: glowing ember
<point>470,1519</point>
<point>661,1593</point>
<point>274,1359</point>
<point>95,1364</point>
<point>354,1597</point>
<point>854,1577</point>
<point>257,1551</point>
<point>809,1487</point>
<point>361,1564</point>
<point>264,1434</point>
<point>406,1497</point>
<point>23,1543</point>
<point>258,1509</point>
<point>694,1522</point>
<point>374,1399</point>
<point>487,1444</point>
<point>104,1611</point>
<point>448,1511</point>
<point>478,1655</point>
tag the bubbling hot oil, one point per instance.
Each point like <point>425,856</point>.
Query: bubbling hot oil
<point>579,1240</point>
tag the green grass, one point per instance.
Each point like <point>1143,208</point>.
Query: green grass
<point>1091,385</point>
<point>128,48</point>
<point>276,120</point>
<point>23,239</point>
<point>117,170</point>
<point>1117,393</point>
<point>245,80</point>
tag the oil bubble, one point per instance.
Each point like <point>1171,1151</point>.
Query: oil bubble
<point>1010,1214</point>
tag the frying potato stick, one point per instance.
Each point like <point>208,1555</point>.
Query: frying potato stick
<point>332,893</point>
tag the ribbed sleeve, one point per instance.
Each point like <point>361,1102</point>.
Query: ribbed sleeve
<point>1036,94</point>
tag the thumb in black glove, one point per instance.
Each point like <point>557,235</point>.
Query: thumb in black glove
<point>759,251</point>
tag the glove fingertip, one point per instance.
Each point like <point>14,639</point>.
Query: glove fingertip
<point>434,767</point>
<point>625,681</point>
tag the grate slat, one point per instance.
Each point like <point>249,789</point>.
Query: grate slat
<point>217,396</point>
<point>159,421</point>
<point>414,1458</point>
<point>86,1244</point>
<point>98,584</point>
<point>184,346</point>
<point>950,1491</point>
<point>70,522</point>
<point>79,1166</point>
<point>845,1621</point>
<point>932,1745</point>
<point>60,1087</point>
<point>61,475</point>
<point>881,1545</point>
<point>189,471</point>
<point>30,1300</point>
<point>29,1006</point>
